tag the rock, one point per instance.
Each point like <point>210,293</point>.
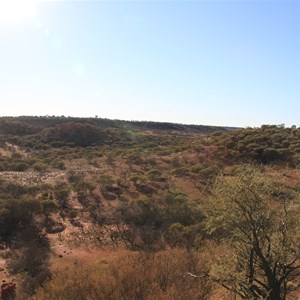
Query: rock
<point>8,291</point>
<point>123,199</point>
<point>162,179</point>
<point>56,228</point>
<point>114,188</point>
<point>145,189</point>
<point>76,223</point>
<point>109,195</point>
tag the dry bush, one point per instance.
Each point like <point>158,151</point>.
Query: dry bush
<point>140,276</point>
<point>30,257</point>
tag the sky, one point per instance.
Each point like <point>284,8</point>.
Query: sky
<point>233,63</point>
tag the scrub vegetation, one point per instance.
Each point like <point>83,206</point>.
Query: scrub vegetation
<point>93,208</point>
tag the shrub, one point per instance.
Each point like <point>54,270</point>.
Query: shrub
<point>180,171</point>
<point>197,168</point>
<point>40,167</point>
<point>154,174</point>
<point>149,218</point>
<point>209,172</point>
<point>58,164</point>
<point>62,196</point>
<point>139,177</point>
<point>21,166</point>
<point>73,214</point>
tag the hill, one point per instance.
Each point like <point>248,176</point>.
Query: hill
<point>115,194</point>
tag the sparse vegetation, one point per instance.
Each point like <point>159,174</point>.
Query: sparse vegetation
<point>197,210</point>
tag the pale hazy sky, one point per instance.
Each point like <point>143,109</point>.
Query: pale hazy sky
<point>204,62</point>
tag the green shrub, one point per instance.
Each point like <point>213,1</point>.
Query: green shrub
<point>62,196</point>
<point>40,167</point>
<point>209,172</point>
<point>154,174</point>
<point>58,164</point>
<point>73,214</point>
<point>139,177</point>
<point>197,168</point>
<point>180,171</point>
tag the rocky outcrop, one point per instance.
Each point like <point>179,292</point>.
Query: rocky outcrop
<point>8,291</point>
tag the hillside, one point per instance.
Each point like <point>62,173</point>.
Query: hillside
<point>97,196</point>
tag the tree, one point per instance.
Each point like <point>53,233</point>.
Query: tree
<point>29,207</point>
<point>62,196</point>
<point>259,222</point>
<point>48,207</point>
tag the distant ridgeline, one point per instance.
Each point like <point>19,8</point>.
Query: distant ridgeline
<point>269,143</point>
<point>68,131</point>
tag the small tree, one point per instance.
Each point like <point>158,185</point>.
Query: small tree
<point>28,207</point>
<point>48,207</point>
<point>62,196</point>
<point>260,225</point>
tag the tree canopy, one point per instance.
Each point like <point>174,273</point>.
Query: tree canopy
<point>259,223</point>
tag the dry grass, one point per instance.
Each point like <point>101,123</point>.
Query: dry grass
<point>134,276</point>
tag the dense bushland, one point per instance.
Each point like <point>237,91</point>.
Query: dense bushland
<point>268,144</point>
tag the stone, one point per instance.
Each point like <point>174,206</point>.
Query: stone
<point>56,228</point>
<point>8,291</point>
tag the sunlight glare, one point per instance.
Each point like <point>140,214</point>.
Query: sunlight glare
<point>16,11</point>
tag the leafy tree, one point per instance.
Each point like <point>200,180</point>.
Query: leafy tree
<point>260,223</point>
